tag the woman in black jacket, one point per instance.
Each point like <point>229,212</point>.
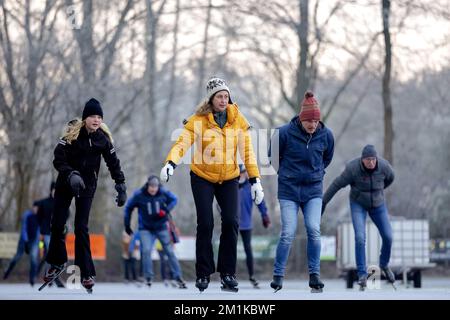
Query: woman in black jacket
<point>77,160</point>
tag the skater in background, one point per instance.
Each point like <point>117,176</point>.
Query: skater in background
<point>367,176</point>
<point>154,203</point>
<point>77,159</point>
<point>44,210</point>
<point>245,220</point>
<point>166,273</point>
<point>216,126</point>
<point>301,150</point>
<point>28,243</point>
<point>131,254</point>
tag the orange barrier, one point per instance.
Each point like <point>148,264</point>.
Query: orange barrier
<point>98,246</point>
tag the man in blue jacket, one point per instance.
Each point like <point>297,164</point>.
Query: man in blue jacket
<point>154,204</point>
<point>301,150</point>
<point>245,220</point>
<point>28,243</point>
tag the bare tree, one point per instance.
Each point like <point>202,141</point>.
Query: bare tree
<point>387,103</point>
<point>203,58</point>
<point>96,58</point>
<point>28,93</point>
<point>151,36</point>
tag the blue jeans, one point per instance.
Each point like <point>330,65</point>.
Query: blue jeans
<point>148,239</point>
<point>46,240</point>
<point>289,218</point>
<point>379,216</point>
<point>34,257</point>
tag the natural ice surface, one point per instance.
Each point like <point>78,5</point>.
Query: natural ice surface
<point>433,289</point>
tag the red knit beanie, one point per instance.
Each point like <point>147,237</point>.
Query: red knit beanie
<point>310,108</point>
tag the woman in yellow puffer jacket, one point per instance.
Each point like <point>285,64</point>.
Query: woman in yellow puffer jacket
<point>218,130</point>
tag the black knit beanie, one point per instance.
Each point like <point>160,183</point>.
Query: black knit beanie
<point>92,107</point>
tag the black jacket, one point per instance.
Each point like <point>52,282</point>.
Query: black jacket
<point>366,188</point>
<point>84,155</point>
<point>44,213</point>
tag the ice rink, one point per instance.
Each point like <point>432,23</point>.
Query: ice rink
<point>433,289</point>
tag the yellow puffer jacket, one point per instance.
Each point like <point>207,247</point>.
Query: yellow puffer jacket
<point>215,150</point>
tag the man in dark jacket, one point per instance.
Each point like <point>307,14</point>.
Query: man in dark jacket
<point>367,176</point>
<point>154,204</point>
<point>302,150</point>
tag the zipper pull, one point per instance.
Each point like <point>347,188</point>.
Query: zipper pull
<point>307,143</point>
<point>90,142</point>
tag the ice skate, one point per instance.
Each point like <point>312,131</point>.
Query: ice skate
<point>390,277</point>
<point>254,283</point>
<point>179,282</point>
<point>362,282</point>
<point>315,284</point>
<point>88,283</point>
<point>277,283</point>
<point>202,283</point>
<point>229,283</point>
<point>52,274</point>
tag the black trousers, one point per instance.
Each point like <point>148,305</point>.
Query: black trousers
<point>227,198</point>
<point>57,253</point>
<point>130,270</point>
<point>247,239</point>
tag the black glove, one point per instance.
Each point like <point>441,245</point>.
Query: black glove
<point>128,230</point>
<point>121,198</point>
<point>27,247</point>
<point>76,182</point>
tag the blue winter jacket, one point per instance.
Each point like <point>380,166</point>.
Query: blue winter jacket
<point>149,208</point>
<point>302,160</point>
<point>246,206</point>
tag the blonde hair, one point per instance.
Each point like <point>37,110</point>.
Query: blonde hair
<point>204,108</point>
<point>73,127</point>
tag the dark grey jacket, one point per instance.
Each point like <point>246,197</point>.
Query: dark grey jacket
<point>365,188</point>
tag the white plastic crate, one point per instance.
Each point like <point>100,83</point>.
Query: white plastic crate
<point>410,246</point>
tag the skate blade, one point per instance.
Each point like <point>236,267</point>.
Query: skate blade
<point>43,286</point>
<point>316,290</point>
<point>276,290</point>
<point>89,291</point>
<point>362,288</point>
<point>393,286</point>
<point>51,281</point>
<point>234,290</point>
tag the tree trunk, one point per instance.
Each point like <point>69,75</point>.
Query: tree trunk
<point>202,60</point>
<point>388,127</point>
<point>302,69</point>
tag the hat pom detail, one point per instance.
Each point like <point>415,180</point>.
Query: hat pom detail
<point>309,94</point>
